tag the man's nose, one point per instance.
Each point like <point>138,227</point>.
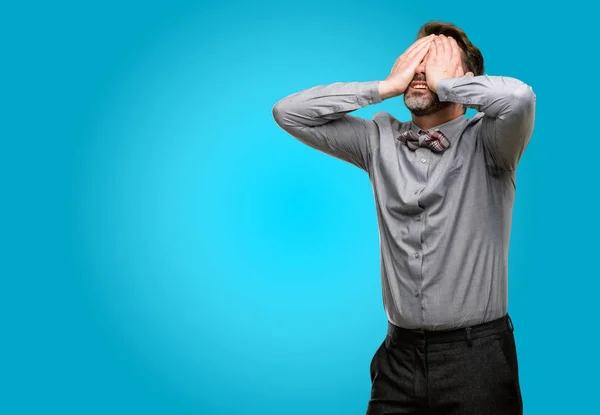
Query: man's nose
<point>421,67</point>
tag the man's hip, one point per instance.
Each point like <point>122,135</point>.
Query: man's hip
<point>471,370</point>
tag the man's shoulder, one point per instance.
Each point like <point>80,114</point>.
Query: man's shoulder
<point>385,118</point>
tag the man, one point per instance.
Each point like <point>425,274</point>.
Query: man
<point>444,186</point>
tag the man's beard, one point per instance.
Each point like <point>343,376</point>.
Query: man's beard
<point>426,103</point>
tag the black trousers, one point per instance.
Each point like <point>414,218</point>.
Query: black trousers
<point>466,371</point>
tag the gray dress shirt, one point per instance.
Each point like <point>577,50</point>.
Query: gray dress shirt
<point>444,218</point>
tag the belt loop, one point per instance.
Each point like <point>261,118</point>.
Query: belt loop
<point>511,328</point>
<point>469,340</point>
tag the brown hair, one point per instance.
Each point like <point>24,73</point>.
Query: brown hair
<point>472,57</point>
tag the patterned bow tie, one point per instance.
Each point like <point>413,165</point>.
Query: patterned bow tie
<point>435,140</point>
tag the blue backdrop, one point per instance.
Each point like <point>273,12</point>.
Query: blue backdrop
<point>168,249</point>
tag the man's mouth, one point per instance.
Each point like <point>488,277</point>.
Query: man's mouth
<point>419,86</point>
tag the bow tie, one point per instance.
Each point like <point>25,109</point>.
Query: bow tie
<point>435,140</point>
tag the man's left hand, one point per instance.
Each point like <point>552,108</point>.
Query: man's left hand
<point>444,60</point>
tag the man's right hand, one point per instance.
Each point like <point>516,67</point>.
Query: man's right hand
<point>403,71</point>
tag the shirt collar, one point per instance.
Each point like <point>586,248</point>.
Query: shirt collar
<point>449,128</point>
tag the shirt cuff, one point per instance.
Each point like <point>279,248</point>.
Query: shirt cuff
<point>368,93</point>
<point>444,89</point>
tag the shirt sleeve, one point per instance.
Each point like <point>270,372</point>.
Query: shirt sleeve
<point>509,114</point>
<point>318,117</point>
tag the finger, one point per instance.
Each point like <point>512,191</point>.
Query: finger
<point>433,51</point>
<point>416,57</point>
<point>452,55</point>
<point>421,41</point>
<point>419,51</point>
<point>426,57</point>
<point>424,39</point>
<point>457,51</point>
<point>459,60</point>
<point>447,49</point>
<point>414,48</point>
<point>439,45</point>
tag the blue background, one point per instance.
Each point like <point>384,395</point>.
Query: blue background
<point>168,249</point>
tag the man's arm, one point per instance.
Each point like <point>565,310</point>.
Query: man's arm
<point>507,103</point>
<point>509,108</point>
<point>318,117</point>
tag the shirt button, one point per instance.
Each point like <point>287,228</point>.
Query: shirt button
<point>416,293</point>
<point>423,160</point>
<point>418,218</point>
<point>416,254</point>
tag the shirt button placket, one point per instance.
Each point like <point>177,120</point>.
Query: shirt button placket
<point>421,164</point>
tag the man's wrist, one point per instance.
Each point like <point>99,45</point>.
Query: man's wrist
<point>386,90</point>
<point>433,84</point>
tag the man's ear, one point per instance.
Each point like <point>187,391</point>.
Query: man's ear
<point>469,74</point>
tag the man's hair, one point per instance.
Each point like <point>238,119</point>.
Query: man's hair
<point>472,57</point>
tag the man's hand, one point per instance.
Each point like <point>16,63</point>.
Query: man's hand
<point>404,68</point>
<point>444,60</point>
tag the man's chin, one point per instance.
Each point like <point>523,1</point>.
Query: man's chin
<point>424,106</point>
<point>421,112</point>
<point>421,108</point>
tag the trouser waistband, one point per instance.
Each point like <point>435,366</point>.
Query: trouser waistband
<point>469,333</point>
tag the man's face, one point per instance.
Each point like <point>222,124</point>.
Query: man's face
<point>422,101</point>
